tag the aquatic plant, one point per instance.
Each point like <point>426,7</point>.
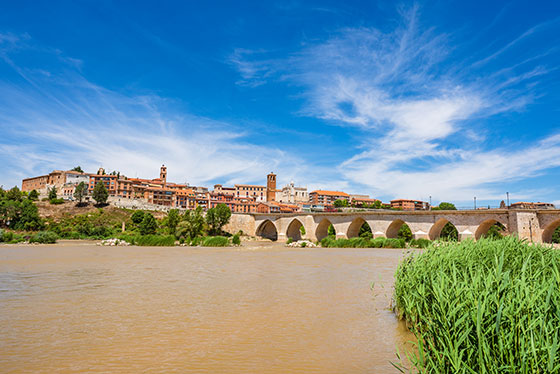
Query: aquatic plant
<point>490,306</point>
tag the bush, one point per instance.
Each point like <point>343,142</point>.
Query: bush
<point>6,236</point>
<point>235,240</point>
<point>149,240</point>
<point>44,237</point>
<point>197,240</point>
<point>215,241</point>
<point>420,243</point>
<point>489,306</point>
<point>56,201</point>
<point>290,240</point>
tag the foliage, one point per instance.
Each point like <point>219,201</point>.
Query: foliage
<point>405,233</point>
<point>556,235</point>
<point>365,231</point>
<point>100,193</point>
<point>148,225</point>
<point>13,194</point>
<point>44,237</point>
<point>331,231</point>
<point>192,224</point>
<point>80,192</point>
<point>420,243</point>
<point>341,203</point>
<point>137,217</point>
<point>215,241</point>
<point>94,225</point>
<point>496,231</point>
<point>446,206</point>
<point>33,195</point>
<point>56,201</point>
<point>332,242</point>
<point>449,232</point>
<point>52,193</point>
<point>235,240</point>
<point>290,240</point>
<point>17,212</point>
<point>149,240</point>
<point>78,169</point>
<point>482,307</point>
<point>302,230</point>
<point>217,217</point>
<point>173,219</point>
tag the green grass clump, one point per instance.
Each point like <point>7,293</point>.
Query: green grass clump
<point>215,241</point>
<point>482,307</point>
<point>420,243</point>
<point>44,237</point>
<point>236,240</point>
<point>149,240</point>
<point>362,242</point>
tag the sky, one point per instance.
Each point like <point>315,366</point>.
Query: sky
<point>442,100</point>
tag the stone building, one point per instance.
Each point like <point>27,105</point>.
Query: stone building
<point>291,194</point>
<point>406,204</point>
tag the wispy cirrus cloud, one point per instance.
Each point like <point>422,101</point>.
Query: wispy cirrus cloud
<point>410,98</point>
<point>53,117</point>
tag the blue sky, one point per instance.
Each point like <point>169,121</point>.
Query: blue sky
<point>449,99</point>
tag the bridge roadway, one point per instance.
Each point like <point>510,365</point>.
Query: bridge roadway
<point>534,225</point>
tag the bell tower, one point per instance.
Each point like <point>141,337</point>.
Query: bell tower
<point>271,187</point>
<point>163,174</point>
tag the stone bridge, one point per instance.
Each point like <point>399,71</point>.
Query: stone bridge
<point>534,225</point>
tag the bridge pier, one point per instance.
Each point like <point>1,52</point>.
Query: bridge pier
<point>420,235</point>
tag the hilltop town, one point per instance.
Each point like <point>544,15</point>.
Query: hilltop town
<point>159,194</point>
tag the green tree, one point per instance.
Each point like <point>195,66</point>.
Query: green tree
<point>446,206</point>
<point>148,225</point>
<point>173,219</point>
<point>496,231</point>
<point>341,203</point>
<point>33,195</point>
<point>405,233</point>
<point>365,231</point>
<point>14,194</point>
<point>78,169</point>
<point>137,217</point>
<point>449,232</point>
<point>217,217</point>
<point>192,224</point>
<point>52,193</point>
<point>100,193</point>
<point>556,235</point>
<point>80,191</point>
<point>331,231</point>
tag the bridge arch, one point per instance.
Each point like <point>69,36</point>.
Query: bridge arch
<point>393,229</point>
<point>438,226</point>
<point>322,230</point>
<point>355,227</point>
<point>549,231</point>
<point>267,229</point>
<point>484,226</point>
<point>293,230</point>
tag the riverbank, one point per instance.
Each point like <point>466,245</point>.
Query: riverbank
<point>261,307</point>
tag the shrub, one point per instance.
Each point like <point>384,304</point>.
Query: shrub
<point>394,243</point>
<point>235,240</point>
<point>377,243</point>
<point>148,225</point>
<point>215,241</point>
<point>197,240</point>
<point>56,201</point>
<point>6,236</point>
<point>290,240</point>
<point>137,216</point>
<point>489,306</point>
<point>44,237</point>
<point>303,244</point>
<point>420,243</point>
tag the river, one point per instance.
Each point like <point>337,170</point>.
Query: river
<point>76,307</point>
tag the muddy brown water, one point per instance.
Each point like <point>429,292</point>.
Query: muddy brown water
<point>260,308</point>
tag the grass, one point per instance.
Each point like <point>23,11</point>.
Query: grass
<point>491,306</point>
<point>332,242</point>
<point>215,241</point>
<point>149,240</point>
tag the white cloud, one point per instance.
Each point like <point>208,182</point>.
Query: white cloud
<point>416,109</point>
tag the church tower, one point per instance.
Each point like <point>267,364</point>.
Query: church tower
<point>163,174</point>
<point>271,187</point>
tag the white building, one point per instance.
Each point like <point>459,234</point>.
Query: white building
<point>290,194</point>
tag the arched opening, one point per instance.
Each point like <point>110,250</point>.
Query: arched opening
<point>324,229</point>
<point>359,227</point>
<point>490,229</point>
<point>294,230</point>
<point>267,230</point>
<point>393,229</point>
<point>551,233</point>
<point>436,229</point>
